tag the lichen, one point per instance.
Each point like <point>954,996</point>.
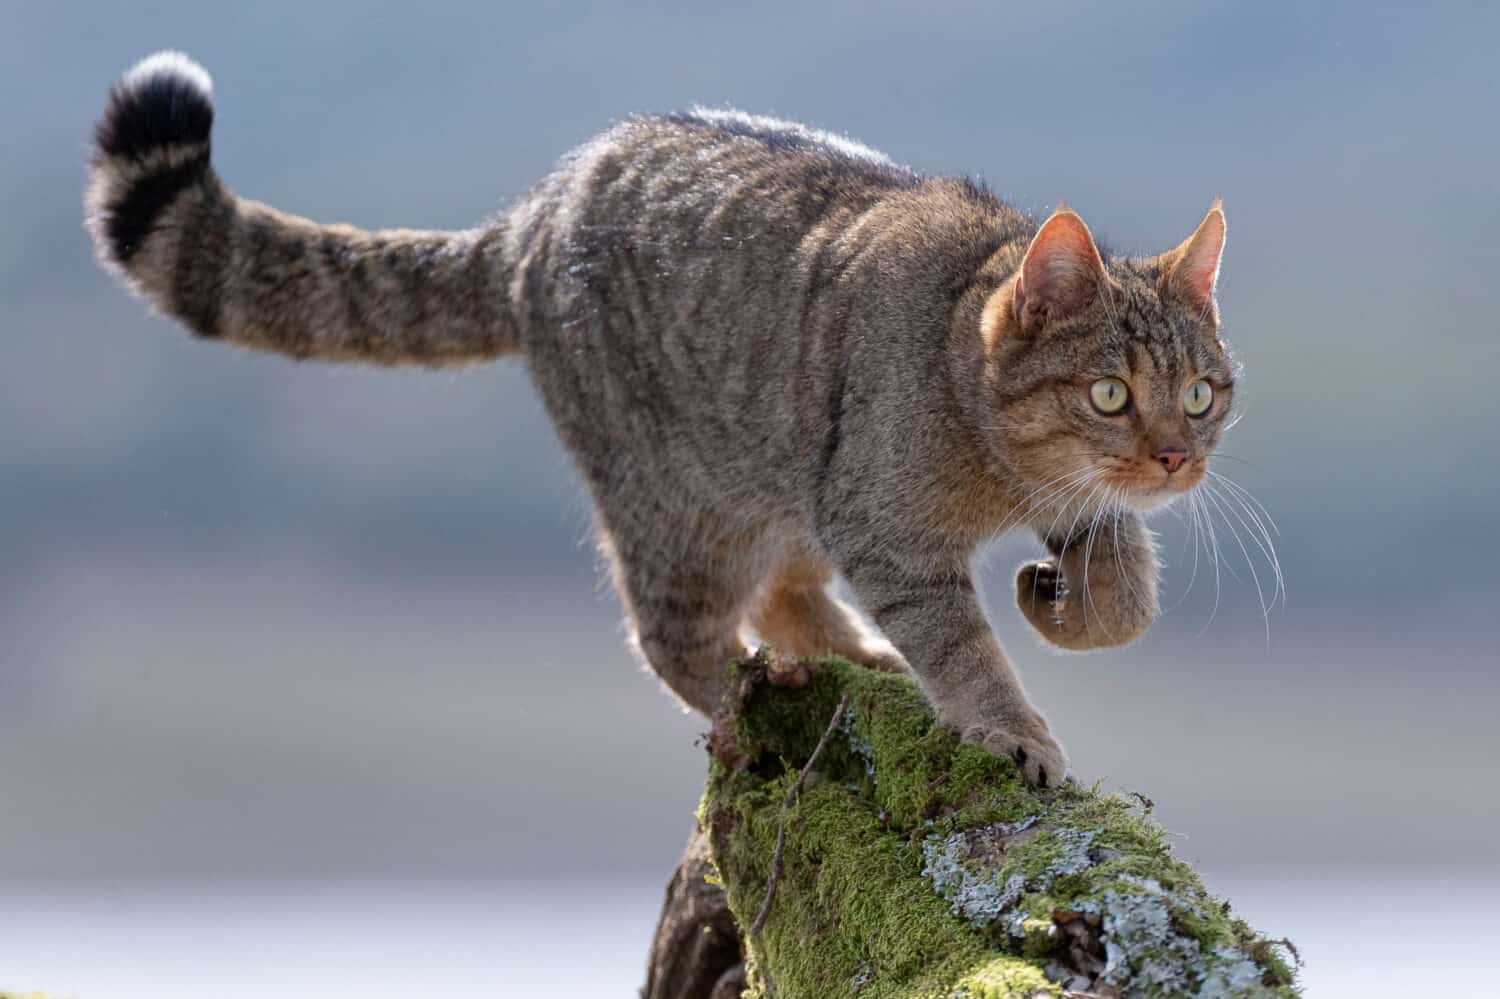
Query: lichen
<point>971,893</point>
<point>1147,952</point>
<point>858,744</point>
<point>920,866</point>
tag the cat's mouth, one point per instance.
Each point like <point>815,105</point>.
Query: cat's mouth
<point>1150,489</point>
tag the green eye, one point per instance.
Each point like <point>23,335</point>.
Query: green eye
<point>1197,397</point>
<point>1109,395</point>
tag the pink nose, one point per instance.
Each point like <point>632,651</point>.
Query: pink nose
<point>1171,458</point>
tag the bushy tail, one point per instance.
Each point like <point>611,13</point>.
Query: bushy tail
<point>240,271</point>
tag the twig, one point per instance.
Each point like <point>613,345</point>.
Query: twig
<point>786,805</point>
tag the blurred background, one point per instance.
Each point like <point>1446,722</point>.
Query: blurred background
<point>309,683</point>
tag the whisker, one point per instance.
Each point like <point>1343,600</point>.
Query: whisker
<point>1088,549</point>
<point>1263,540</point>
<point>1213,550</point>
<point>1230,457</point>
<point>1109,309</point>
<point>1026,506</point>
<point>1207,509</point>
<point>1072,535</point>
<point>1258,533</point>
<point>1242,491</point>
<point>1065,500</point>
<point>1259,592</point>
<point>1193,533</point>
<point>1260,536</point>
<point>1118,513</point>
<point>1075,490</point>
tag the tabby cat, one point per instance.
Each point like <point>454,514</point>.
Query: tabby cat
<point>775,355</point>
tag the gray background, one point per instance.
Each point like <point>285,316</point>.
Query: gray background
<point>269,624</point>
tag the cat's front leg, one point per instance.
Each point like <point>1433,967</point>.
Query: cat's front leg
<point>1097,590</point>
<point>936,621</point>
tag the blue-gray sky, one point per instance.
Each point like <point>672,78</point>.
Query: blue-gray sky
<point>262,618</point>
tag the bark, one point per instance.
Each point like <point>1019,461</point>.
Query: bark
<point>696,953</point>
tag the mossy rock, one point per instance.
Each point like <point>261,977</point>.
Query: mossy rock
<point>915,865</point>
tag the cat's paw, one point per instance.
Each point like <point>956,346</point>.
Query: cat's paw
<point>1039,586</point>
<point>881,657</point>
<point>1044,597</point>
<point>1027,741</point>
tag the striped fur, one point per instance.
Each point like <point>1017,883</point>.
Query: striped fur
<point>774,355</point>
<point>240,271</point>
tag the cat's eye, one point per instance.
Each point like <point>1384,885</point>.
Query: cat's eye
<point>1197,397</point>
<point>1109,395</point>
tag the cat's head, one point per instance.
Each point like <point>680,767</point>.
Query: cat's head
<point>1108,375</point>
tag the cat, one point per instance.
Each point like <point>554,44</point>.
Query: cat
<point>774,355</point>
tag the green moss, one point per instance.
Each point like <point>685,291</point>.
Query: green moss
<point>918,866</point>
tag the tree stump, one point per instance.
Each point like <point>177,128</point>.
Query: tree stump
<point>911,864</point>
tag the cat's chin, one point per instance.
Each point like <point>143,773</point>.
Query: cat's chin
<point>1152,498</point>
<point>1145,493</point>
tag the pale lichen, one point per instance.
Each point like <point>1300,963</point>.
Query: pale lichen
<point>970,893</point>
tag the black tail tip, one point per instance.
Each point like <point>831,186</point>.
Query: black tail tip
<point>164,100</point>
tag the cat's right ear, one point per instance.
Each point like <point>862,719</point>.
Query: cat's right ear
<point>1060,275</point>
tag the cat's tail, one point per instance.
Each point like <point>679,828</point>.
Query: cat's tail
<point>237,270</point>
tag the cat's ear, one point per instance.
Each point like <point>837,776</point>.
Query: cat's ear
<point>1192,270</point>
<point>1060,275</point>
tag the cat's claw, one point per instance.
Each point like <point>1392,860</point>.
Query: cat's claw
<point>1039,757</point>
<point>1079,621</point>
<point>1042,595</point>
<point>1039,586</point>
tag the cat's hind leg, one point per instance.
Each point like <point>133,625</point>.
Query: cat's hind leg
<point>684,612</point>
<point>796,614</point>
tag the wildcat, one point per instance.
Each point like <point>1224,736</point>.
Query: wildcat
<point>774,355</point>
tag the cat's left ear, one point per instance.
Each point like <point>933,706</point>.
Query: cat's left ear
<point>1192,270</point>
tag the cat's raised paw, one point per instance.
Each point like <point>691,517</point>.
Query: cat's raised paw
<point>1103,616</point>
<point>1042,595</point>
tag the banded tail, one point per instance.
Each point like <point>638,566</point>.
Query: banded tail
<point>240,271</point>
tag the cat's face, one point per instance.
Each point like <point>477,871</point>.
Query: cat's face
<point>1111,384</point>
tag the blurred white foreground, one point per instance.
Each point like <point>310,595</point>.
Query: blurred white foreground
<point>1366,933</point>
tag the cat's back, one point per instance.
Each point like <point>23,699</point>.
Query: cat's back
<point>762,141</point>
<point>676,263</point>
<point>679,226</point>
<point>709,151</point>
<point>670,184</point>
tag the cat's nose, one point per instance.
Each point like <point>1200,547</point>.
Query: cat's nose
<point>1171,458</point>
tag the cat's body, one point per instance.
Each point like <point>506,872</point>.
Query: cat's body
<point>773,354</point>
